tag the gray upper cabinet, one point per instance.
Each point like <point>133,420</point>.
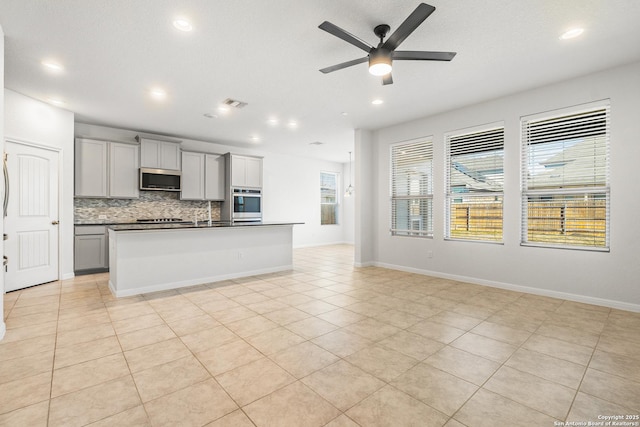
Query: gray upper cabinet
<point>106,169</point>
<point>214,177</point>
<point>91,158</point>
<point>123,171</point>
<point>203,176</point>
<point>246,171</point>
<point>159,154</point>
<point>192,179</point>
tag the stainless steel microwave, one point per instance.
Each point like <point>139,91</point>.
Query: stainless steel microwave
<point>159,179</point>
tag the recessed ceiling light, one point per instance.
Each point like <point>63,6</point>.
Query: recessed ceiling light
<point>52,66</point>
<point>377,102</point>
<point>55,101</point>
<point>344,113</point>
<point>158,93</point>
<point>223,109</point>
<point>292,124</point>
<point>273,121</point>
<point>255,138</point>
<point>182,25</point>
<point>572,33</point>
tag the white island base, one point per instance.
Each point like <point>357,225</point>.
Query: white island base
<point>152,260</point>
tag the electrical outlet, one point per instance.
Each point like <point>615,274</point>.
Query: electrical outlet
<point>102,217</point>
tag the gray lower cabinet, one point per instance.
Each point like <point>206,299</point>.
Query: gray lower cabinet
<point>91,253</point>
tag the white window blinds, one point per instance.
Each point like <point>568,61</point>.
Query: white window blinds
<point>474,184</point>
<point>412,188</point>
<point>565,181</point>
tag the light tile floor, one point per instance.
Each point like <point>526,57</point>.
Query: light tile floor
<point>324,344</point>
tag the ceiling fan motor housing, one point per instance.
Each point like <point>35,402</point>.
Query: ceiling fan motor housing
<point>381,31</point>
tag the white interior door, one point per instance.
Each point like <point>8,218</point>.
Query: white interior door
<point>31,223</point>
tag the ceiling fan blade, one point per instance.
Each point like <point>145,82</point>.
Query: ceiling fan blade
<point>344,65</point>
<point>342,34</point>
<point>387,79</point>
<point>409,25</point>
<point>415,55</point>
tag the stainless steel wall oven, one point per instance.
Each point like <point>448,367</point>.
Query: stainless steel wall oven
<point>247,204</point>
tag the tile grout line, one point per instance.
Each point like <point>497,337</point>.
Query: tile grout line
<point>481,387</point>
<point>584,374</point>
<point>128,367</point>
<point>55,348</point>
<point>595,348</point>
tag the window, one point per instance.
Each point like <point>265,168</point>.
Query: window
<point>474,184</point>
<point>412,188</point>
<point>328,198</point>
<point>565,179</point>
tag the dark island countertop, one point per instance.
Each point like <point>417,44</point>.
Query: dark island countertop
<point>184,225</point>
<point>101,222</point>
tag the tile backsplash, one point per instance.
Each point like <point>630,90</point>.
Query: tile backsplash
<point>151,204</point>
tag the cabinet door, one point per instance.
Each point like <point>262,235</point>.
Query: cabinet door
<point>238,171</point>
<point>150,153</point>
<point>214,174</point>
<point>253,172</point>
<point>123,171</point>
<point>91,168</point>
<point>90,252</point>
<point>170,156</point>
<point>192,180</point>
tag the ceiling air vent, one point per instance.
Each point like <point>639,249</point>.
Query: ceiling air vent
<point>316,143</point>
<point>234,103</point>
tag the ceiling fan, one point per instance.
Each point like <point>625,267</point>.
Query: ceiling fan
<point>381,57</point>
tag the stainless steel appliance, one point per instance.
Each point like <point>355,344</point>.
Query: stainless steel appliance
<point>159,179</point>
<point>5,204</point>
<point>6,185</point>
<point>160,220</point>
<point>247,204</point>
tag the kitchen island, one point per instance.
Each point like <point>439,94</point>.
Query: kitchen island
<point>155,257</point>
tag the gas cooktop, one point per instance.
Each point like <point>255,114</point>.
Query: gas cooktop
<point>160,220</point>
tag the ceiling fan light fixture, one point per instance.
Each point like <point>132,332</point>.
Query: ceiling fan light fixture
<point>380,63</point>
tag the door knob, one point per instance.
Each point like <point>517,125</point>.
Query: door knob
<point>55,222</point>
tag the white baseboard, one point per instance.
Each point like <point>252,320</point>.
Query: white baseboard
<point>67,276</point>
<point>620,305</point>
<point>193,282</point>
<point>3,330</point>
<point>368,264</point>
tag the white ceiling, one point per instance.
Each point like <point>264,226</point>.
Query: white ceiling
<point>268,53</point>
